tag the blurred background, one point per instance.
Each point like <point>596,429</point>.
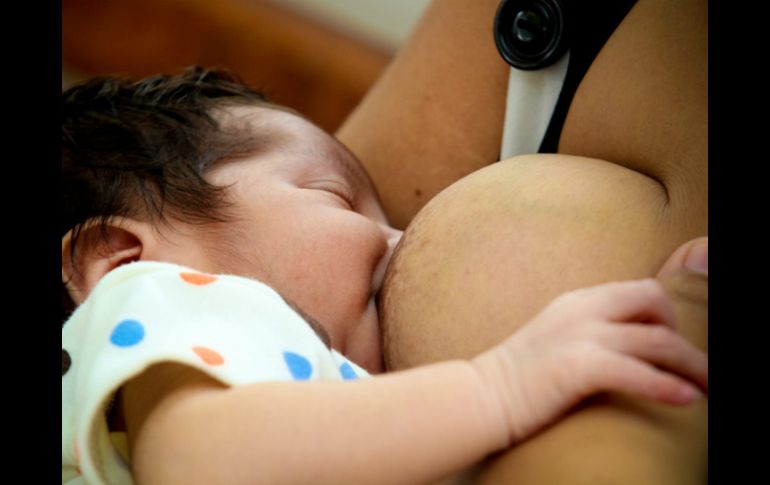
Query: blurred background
<point>316,56</point>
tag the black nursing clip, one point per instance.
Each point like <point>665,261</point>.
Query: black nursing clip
<point>532,34</point>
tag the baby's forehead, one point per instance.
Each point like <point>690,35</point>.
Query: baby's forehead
<point>277,128</point>
<point>271,123</point>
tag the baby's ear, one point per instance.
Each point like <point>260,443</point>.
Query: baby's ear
<point>98,250</point>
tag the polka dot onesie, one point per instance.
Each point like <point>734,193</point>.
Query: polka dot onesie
<point>235,329</point>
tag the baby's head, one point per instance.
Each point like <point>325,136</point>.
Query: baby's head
<point>199,170</point>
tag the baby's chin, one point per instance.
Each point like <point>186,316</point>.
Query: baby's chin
<point>364,343</point>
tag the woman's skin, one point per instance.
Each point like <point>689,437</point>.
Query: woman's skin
<point>628,186</point>
<point>437,112</point>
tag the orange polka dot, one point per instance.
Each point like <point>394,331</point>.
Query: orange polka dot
<point>209,356</point>
<point>198,278</point>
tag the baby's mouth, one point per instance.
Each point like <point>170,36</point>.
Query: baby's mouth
<point>379,272</point>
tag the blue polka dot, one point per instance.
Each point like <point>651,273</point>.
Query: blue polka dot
<point>299,366</point>
<point>127,333</point>
<point>347,372</point>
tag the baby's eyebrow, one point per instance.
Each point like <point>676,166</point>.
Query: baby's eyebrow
<point>351,167</point>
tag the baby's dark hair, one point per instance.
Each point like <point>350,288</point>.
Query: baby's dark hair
<point>139,149</point>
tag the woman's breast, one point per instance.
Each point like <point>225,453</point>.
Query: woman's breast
<point>491,250</point>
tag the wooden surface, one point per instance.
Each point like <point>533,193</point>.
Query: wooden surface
<point>296,60</point>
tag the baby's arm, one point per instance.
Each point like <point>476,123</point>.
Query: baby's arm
<point>410,427</point>
<point>414,426</point>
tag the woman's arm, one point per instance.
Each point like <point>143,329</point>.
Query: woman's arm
<point>436,114</point>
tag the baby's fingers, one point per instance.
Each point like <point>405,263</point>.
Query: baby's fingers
<point>659,346</point>
<point>625,301</point>
<point>638,378</point>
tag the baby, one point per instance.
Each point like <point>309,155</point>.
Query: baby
<point>219,249</point>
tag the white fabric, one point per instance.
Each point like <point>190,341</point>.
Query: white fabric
<point>235,329</point>
<point>529,105</point>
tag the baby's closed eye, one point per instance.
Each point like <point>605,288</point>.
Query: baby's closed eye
<point>337,189</point>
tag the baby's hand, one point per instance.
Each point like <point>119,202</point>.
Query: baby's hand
<point>605,338</point>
